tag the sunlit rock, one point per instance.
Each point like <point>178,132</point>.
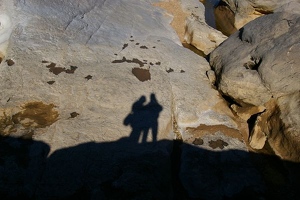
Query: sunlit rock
<point>257,64</point>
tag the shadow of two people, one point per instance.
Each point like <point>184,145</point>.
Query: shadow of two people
<point>143,118</point>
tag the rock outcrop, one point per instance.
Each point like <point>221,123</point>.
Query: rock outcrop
<point>100,100</point>
<point>258,65</point>
<point>96,71</point>
<point>197,32</point>
<point>246,11</point>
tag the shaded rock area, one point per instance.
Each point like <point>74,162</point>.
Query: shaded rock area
<point>225,19</point>
<point>124,169</point>
<point>244,11</point>
<point>258,66</point>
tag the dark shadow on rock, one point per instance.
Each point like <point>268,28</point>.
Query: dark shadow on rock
<point>143,118</point>
<point>22,163</point>
<point>125,169</point>
<point>209,12</point>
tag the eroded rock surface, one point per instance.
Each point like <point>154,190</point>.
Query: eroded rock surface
<point>108,70</point>
<point>246,11</point>
<point>197,32</point>
<point>93,99</point>
<point>258,64</point>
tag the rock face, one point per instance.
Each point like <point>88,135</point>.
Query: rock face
<point>246,11</point>
<point>93,94</point>
<point>258,64</point>
<point>225,19</point>
<point>197,32</point>
<point>94,72</point>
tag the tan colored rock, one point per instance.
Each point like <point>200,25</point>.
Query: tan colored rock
<point>202,36</point>
<point>258,72</point>
<point>246,112</point>
<point>225,19</point>
<point>246,11</point>
<point>279,127</point>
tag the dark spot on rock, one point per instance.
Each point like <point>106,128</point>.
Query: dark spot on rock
<point>218,143</point>
<point>119,61</point>
<point>131,36</point>
<point>196,7</point>
<point>131,40</point>
<point>253,64</point>
<point>137,43</point>
<point>50,82</point>
<point>170,70</point>
<point>8,99</point>
<point>249,65</point>
<point>124,46</point>
<point>158,40</point>
<point>151,63</point>
<point>154,47</point>
<point>71,70</point>
<point>182,71</point>
<point>45,61</point>
<point>157,63</point>
<point>73,114</point>
<point>143,47</point>
<point>55,70</point>
<point>134,60</point>
<point>198,141</point>
<point>141,74</point>
<point>137,61</point>
<point>88,77</point>
<point>10,62</point>
<point>115,54</point>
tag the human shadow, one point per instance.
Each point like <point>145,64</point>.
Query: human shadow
<point>165,170</point>
<point>143,118</point>
<point>125,169</point>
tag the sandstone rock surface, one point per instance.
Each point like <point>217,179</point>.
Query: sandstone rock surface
<point>246,11</point>
<point>93,94</point>
<point>198,33</point>
<point>259,63</point>
<point>94,72</point>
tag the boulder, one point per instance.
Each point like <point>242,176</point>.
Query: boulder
<point>246,11</point>
<point>258,64</point>
<point>225,19</point>
<point>197,31</point>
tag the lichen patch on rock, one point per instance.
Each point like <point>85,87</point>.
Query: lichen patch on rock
<point>36,114</point>
<point>27,118</point>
